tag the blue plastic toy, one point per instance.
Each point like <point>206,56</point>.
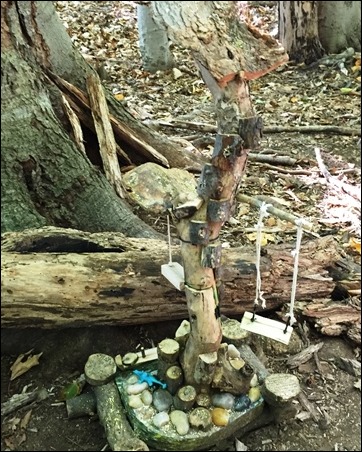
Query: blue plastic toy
<point>148,378</point>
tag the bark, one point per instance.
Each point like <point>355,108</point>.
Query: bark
<point>46,180</point>
<point>298,30</point>
<point>153,40</point>
<point>64,278</point>
<point>339,25</point>
<point>219,41</point>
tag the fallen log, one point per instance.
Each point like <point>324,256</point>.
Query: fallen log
<point>107,279</point>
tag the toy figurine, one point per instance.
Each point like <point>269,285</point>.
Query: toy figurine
<point>148,378</point>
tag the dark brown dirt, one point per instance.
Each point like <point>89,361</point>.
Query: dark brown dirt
<point>66,351</point>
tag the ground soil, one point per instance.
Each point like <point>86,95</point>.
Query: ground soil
<point>296,95</point>
<point>66,351</point>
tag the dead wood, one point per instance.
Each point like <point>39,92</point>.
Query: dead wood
<point>57,277</point>
<point>333,319</point>
<point>20,400</point>
<point>279,213</point>
<point>107,143</point>
<point>304,356</point>
<point>210,128</point>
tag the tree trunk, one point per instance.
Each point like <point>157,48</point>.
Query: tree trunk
<point>154,42</point>
<point>339,25</point>
<point>298,30</point>
<point>225,65</point>
<point>46,180</point>
<point>66,278</point>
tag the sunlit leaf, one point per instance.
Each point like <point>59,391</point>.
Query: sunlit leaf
<point>355,244</point>
<point>20,367</point>
<point>119,96</point>
<point>25,420</point>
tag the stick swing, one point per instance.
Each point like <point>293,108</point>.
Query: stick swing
<point>257,324</point>
<point>173,271</point>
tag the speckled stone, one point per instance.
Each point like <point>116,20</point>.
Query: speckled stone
<point>203,399</point>
<point>200,418</point>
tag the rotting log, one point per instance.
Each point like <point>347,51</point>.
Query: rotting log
<point>108,279</point>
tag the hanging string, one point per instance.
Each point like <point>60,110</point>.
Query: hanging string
<point>295,253</point>
<point>259,227</point>
<point>169,240</point>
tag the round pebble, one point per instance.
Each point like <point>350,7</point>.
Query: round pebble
<point>132,379</point>
<point>162,400</point>
<point>137,388</point>
<point>135,401</point>
<point>180,421</point>
<point>242,403</point>
<point>254,393</point>
<point>146,397</point>
<point>233,352</point>
<point>161,419</point>
<point>223,400</point>
<point>220,417</point>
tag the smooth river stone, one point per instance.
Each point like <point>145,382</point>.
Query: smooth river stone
<point>220,417</point>
<point>162,400</point>
<point>137,388</point>
<point>254,393</point>
<point>242,403</point>
<point>146,397</point>
<point>180,421</point>
<point>223,400</point>
<point>161,419</point>
<point>135,401</point>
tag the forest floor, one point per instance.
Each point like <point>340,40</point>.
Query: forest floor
<point>294,96</point>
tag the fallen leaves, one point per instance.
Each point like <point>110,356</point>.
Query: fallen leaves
<point>19,367</point>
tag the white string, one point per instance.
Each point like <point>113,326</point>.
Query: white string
<point>169,240</point>
<point>295,253</point>
<point>259,227</point>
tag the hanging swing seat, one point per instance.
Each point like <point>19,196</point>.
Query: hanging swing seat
<point>174,272</point>
<point>266,327</point>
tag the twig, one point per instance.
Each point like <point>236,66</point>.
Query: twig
<point>307,405</point>
<point>20,400</point>
<point>204,127</point>
<point>272,158</point>
<point>287,171</point>
<point>273,210</point>
<point>334,182</point>
<point>313,129</point>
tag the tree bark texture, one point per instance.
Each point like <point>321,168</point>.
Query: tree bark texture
<point>298,30</point>
<point>64,278</point>
<point>153,40</point>
<point>218,40</point>
<point>46,180</point>
<point>339,25</point>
